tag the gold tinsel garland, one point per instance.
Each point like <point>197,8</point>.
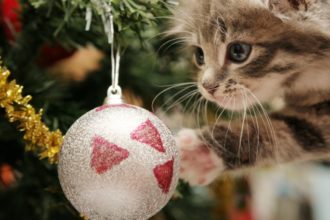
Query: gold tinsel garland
<point>37,135</point>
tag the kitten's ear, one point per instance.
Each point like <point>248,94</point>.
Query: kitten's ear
<point>285,6</point>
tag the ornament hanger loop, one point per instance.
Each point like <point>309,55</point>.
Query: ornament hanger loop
<point>114,96</point>
<point>114,91</point>
<point>107,18</point>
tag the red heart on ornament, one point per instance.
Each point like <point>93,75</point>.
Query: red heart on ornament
<point>106,155</point>
<point>164,174</point>
<point>148,134</point>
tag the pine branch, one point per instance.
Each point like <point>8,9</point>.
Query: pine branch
<point>129,15</point>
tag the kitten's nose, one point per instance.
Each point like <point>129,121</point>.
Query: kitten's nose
<point>210,87</point>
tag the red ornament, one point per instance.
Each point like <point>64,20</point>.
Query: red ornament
<point>7,175</point>
<point>10,18</point>
<point>164,174</point>
<point>147,133</point>
<point>106,155</point>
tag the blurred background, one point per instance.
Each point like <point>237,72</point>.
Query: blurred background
<point>67,72</point>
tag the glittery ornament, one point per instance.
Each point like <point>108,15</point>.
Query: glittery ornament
<point>118,162</point>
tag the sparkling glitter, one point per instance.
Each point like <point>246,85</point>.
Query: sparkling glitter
<point>147,133</point>
<point>106,155</point>
<point>135,188</point>
<point>103,107</point>
<point>164,174</point>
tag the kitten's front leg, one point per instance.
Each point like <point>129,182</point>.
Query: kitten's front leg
<point>259,141</point>
<point>241,144</point>
<point>203,154</point>
<point>199,164</point>
<point>206,154</point>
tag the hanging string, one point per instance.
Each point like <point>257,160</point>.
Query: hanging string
<point>108,22</point>
<point>115,58</point>
<point>115,62</point>
<point>115,76</point>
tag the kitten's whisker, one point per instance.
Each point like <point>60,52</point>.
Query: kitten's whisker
<point>272,130</point>
<point>175,41</point>
<point>170,41</point>
<point>198,112</point>
<point>242,131</point>
<point>248,127</point>
<point>198,120</point>
<point>194,100</point>
<point>189,100</point>
<point>180,100</point>
<point>261,113</point>
<point>195,106</point>
<point>228,99</point>
<point>177,84</point>
<point>173,97</point>
<point>168,89</point>
<point>264,120</point>
<point>255,122</point>
<point>206,118</point>
<point>218,118</point>
<point>202,114</point>
<point>229,125</point>
<point>173,18</point>
<point>273,134</point>
<point>245,103</point>
<point>162,35</point>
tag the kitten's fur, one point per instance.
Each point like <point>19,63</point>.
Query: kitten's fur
<point>290,59</point>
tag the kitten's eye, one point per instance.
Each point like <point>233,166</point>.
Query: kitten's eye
<point>239,52</point>
<point>199,56</point>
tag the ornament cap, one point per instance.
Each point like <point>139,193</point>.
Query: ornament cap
<point>114,96</point>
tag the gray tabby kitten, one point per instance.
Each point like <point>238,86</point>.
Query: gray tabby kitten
<point>249,52</point>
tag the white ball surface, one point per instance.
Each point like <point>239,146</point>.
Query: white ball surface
<point>118,162</point>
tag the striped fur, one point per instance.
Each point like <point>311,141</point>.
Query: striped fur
<point>290,59</point>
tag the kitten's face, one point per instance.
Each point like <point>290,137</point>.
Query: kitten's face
<point>243,52</point>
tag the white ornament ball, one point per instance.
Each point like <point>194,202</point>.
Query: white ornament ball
<point>118,162</point>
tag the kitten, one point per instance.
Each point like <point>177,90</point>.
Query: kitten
<point>249,52</point>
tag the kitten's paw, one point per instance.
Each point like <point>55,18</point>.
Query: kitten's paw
<point>199,164</point>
